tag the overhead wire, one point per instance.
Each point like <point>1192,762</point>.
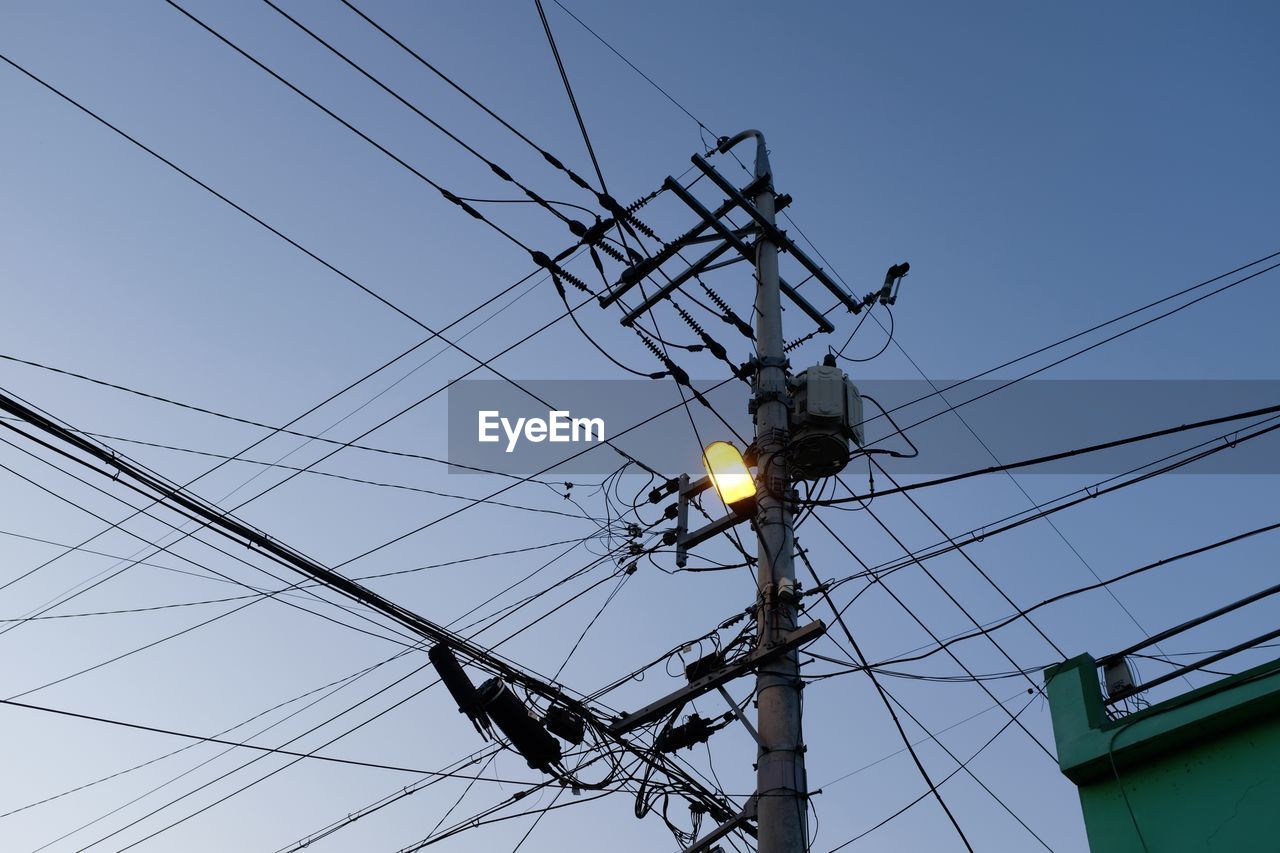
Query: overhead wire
<point>331,267</point>
<point>239,744</point>
<point>568,88</point>
<point>952,408</point>
<point>264,595</point>
<point>223,525</point>
<point>172,605</point>
<point>547,156</point>
<point>502,173</point>
<point>1101,584</point>
<point>915,618</point>
<point>1058,456</point>
<point>964,765</point>
<point>334,685</point>
<point>358,674</point>
<point>952,543</point>
<point>510,636</point>
<point>957,827</point>
<point>889,335</point>
<point>333,475</point>
<point>445,193</point>
<point>889,701</point>
<point>1203,450</point>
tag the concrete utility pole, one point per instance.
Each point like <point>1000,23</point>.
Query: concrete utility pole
<point>781,787</point>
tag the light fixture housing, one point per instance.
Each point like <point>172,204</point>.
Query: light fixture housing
<point>729,475</point>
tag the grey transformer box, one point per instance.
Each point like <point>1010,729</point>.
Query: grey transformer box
<point>826,413</point>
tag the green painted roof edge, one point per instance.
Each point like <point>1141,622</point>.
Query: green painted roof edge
<point>1088,743</point>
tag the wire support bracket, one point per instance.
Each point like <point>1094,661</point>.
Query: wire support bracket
<point>762,655</point>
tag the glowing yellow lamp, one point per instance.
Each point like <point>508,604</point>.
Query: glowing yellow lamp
<point>728,473</point>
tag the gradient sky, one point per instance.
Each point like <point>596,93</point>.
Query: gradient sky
<point>1043,167</point>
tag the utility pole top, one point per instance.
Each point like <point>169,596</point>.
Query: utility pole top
<point>763,169</point>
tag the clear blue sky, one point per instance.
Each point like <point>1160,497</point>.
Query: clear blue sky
<point>1043,167</point>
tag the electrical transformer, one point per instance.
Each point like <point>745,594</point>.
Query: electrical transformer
<point>525,731</point>
<point>826,412</point>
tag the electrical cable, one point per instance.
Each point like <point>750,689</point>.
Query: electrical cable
<point>576,227</point>
<point>884,698</point>
<point>930,631</point>
<point>444,193</point>
<point>1000,623</point>
<point>358,674</point>
<point>1063,502</point>
<point>240,745</point>
<point>332,687</point>
<point>325,723</point>
<point>1055,457</point>
<point>540,259</point>
<point>332,475</point>
<point>262,595</point>
<point>887,699</point>
<point>266,593</point>
<point>963,766</point>
<point>634,68</point>
<point>573,102</point>
<point>556,163</point>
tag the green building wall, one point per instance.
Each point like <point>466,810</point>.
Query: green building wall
<point>1199,772</point>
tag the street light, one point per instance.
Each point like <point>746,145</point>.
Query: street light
<point>728,473</point>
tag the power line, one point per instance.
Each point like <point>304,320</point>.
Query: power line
<point>1098,326</point>
<point>967,557</point>
<point>383,802</point>
<point>1052,457</point>
<point>1123,332</point>
<point>292,762</point>
<point>344,477</point>
<point>615,52</point>
<point>538,257</point>
<point>446,194</point>
<point>354,445</point>
<point>226,524</point>
<point>241,745</point>
<point>890,338</point>
<point>332,687</point>
<point>547,156</point>
<point>568,88</point>
<point>1101,584</point>
<point>1057,531</point>
<point>230,527</point>
<point>346,681</point>
<point>273,431</point>
<point>269,593</point>
<point>399,654</point>
<point>882,525</point>
<point>296,760</point>
<point>334,475</point>
<point>925,739</point>
<point>577,227</point>
<point>887,697</point>
<point>337,271</point>
<point>263,595</point>
<point>929,630</point>
<point>1066,501</point>
<point>884,698</point>
<point>964,765</point>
